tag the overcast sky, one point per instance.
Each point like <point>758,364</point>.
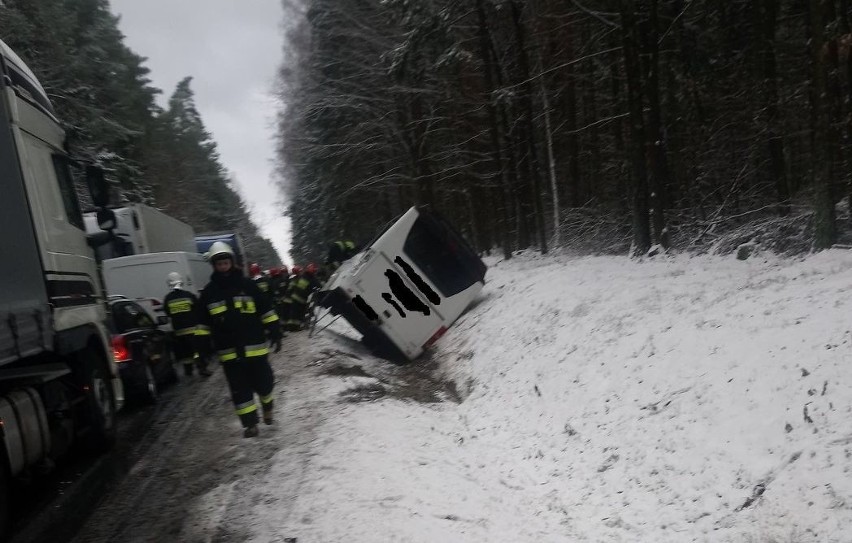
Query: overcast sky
<point>232,49</point>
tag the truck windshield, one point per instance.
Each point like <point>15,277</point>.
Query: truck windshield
<point>443,255</point>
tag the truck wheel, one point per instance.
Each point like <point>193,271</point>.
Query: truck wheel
<point>5,497</point>
<point>100,400</point>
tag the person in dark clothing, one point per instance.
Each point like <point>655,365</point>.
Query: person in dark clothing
<point>239,318</point>
<point>290,324</point>
<point>301,287</point>
<point>338,253</point>
<point>181,308</point>
<point>279,281</point>
<point>262,281</point>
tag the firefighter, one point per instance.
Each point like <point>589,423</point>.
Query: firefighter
<point>180,306</point>
<point>238,317</point>
<point>301,287</point>
<point>279,281</point>
<point>338,253</point>
<point>261,280</point>
<point>290,322</point>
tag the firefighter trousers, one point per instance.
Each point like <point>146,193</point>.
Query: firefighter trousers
<point>247,376</point>
<point>186,353</point>
<point>296,316</point>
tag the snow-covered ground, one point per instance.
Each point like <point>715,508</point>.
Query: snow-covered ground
<point>612,400</point>
<point>582,399</point>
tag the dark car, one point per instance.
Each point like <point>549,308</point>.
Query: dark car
<point>142,351</point>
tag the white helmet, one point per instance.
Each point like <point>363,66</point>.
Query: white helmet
<point>174,280</point>
<point>220,249</point>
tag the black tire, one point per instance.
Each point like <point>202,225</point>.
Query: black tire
<point>93,373</point>
<point>172,374</point>
<point>5,497</point>
<point>149,392</point>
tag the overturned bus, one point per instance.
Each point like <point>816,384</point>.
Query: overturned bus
<point>407,287</point>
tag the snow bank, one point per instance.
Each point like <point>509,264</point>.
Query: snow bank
<point>605,399</point>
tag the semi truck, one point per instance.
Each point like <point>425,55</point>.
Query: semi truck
<point>59,386</point>
<point>142,229</point>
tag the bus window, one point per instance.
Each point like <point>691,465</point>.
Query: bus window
<point>445,258</point>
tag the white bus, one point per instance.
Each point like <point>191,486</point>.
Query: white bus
<point>408,287</point>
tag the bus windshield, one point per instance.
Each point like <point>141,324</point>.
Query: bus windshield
<point>443,255</point>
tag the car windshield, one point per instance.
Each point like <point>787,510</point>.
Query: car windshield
<point>130,316</point>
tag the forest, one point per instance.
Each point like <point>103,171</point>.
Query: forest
<point>162,157</point>
<point>595,126</point>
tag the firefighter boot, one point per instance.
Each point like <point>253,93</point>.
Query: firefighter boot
<point>202,368</point>
<point>251,431</point>
<point>267,414</point>
<point>187,369</point>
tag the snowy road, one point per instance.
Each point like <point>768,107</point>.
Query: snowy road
<point>197,476</point>
<point>197,479</point>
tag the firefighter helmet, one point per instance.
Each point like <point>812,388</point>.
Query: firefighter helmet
<point>297,270</point>
<point>311,269</point>
<point>174,280</point>
<point>220,250</point>
<point>274,272</point>
<point>254,269</point>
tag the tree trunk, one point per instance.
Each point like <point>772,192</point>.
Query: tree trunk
<point>551,161</point>
<point>822,140</point>
<point>573,148</point>
<point>658,179</point>
<point>639,190</point>
<point>590,117</point>
<point>767,20</point>
<point>527,100</point>
<point>496,153</point>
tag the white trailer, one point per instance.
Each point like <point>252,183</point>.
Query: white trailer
<point>143,229</point>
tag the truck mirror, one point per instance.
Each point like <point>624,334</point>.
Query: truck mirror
<point>98,186</point>
<point>106,219</point>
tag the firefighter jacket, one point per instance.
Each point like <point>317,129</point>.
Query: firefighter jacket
<point>265,285</point>
<point>279,288</point>
<point>338,252</point>
<point>237,315</point>
<point>181,309</point>
<point>301,287</point>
